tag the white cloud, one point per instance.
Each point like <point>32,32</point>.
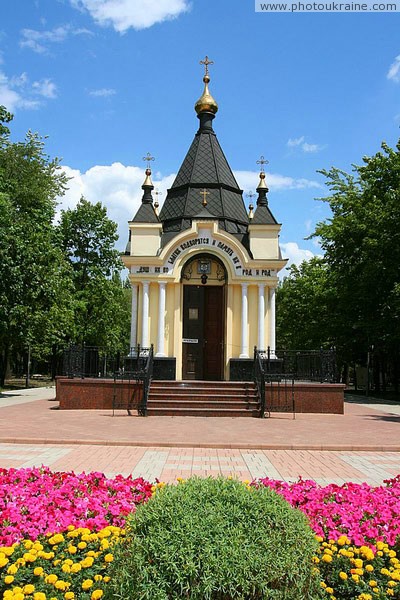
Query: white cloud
<point>138,14</point>
<point>19,93</point>
<point>295,141</point>
<point>37,40</point>
<point>305,146</point>
<point>45,88</point>
<point>295,254</point>
<point>117,186</point>
<point>394,70</point>
<point>311,147</point>
<point>102,92</point>
<point>15,93</point>
<point>248,180</point>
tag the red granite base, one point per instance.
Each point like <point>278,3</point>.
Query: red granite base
<point>104,394</point>
<point>96,393</point>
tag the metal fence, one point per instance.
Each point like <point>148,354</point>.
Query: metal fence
<point>301,365</point>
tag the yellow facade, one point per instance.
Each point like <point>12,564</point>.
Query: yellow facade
<point>152,266</point>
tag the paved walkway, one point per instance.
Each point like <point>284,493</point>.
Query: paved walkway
<point>362,445</point>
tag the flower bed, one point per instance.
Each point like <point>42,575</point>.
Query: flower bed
<point>35,501</point>
<point>57,532</point>
<point>364,513</point>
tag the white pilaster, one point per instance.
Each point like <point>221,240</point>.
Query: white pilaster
<point>272,336</point>
<point>145,314</point>
<point>134,314</point>
<point>161,318</point>
<point>244,343</point>
<point>261,316</point>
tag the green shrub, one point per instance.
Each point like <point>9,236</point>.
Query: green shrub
<point>215,538</point>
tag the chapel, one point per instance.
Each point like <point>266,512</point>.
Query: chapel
<point>204,269</point>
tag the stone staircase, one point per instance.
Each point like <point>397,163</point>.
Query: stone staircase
<point>203,399</point>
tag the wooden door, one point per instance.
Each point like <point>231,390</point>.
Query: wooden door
<point>213,333</point>
<point>193,340</point>
<point>203,332</point>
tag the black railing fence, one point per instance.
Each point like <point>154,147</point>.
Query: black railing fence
<point>301,365</point>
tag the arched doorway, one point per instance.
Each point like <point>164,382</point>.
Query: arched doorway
<point>204,279</point>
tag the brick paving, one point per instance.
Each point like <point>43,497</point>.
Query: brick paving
<point>362,445</point>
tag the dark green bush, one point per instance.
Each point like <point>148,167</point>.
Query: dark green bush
<point>215,538</point>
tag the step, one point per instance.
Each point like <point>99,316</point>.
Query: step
<point>219,404</point>
<point>203,396</point>
<point>199,384</point>
<point>202,390</point>
<point>201,412</point>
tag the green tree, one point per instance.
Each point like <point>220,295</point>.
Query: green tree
<point>362,251</point>
<point>101,301</point>
<point>35,278</point>
<point>303,301</point>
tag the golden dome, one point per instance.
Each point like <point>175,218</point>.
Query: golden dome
<point>262,185</point>
<point>206,102</point>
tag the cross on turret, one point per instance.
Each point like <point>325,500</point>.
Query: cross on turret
<point>263,161</point>
<point>206,62</point>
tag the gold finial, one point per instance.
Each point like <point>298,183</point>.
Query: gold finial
<point>263,161</point>
<point>148,158</point>
<point>157,193</point>
<point>204,193</point>
<point>262,184</point>
<point>156,205</point>
<point>206,62</point>
<point>251,207</point>
<point>206,102</point>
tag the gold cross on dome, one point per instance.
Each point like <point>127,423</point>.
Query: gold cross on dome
<point>148,158</point>
<point>263,161</point>
<point>206,62</point>
<point>204,193</point>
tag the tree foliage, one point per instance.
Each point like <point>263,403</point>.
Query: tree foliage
<point>102,306</point>
<point>35,306</point>
<point>57,283</point>
<point>351,297</point>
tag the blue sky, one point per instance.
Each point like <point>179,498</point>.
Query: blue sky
<point>110,80</point>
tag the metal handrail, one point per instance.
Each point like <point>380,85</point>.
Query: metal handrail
<point>259,380</point>
<point>147,377</point>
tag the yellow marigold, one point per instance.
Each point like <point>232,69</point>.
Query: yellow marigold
<point>28,544</point>
<point>66,568</point>
<point>391,584</point>
<point>82,545</point>
<point>39,596</point>
<point>319,539</point>
<point>8,579</point>
<point>69,596</point>
<point>19,596</point>
<point>96,594</point>
<point>355,578</point>
<point>105,544</point>
<point>6,550</point>
<point>98,577</point>
<point>315,559</point>
<point>76,567</point>
<point>106,578</point>
<point>373,583</point>
<point>7,594</point>
<point>385,571</point>
<point>108,558</point>
<point>38,571</point>
<point>389,592</point>
<point>327,558</point>
<point>3,561</point>
<point>369,568</point>
<point>52,578</point>
<point>87,584</point>
<point>12,569</point>
<point>323,584</point>
<point>29,588</point>
<point>380,545</point>
<point>61,585</point>
<point>343,575</point>
<point>343,540</point>
<point>329,590</point>
<point>358,563</point>
<point>87,562</point>
<point>72,549</point>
